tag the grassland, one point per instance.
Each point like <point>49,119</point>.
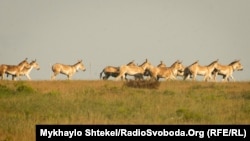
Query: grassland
<point>23,104</point>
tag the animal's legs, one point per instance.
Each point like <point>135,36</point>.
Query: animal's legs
<point>54,75</point>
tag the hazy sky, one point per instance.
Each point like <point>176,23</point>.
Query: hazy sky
<point>115,32</point>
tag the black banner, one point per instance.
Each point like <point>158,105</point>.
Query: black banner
<point>79,132</point>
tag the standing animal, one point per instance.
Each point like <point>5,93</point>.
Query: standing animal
<point>68,70</point>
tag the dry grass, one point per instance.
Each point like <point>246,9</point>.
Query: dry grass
<point>149,84</point>
<point>27,103</point>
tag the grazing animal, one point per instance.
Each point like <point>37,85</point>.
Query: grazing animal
<point>226,71</point>
<point>26,71</point>
<point>14,70</point>
<point>68,70</point>
<point>113,71</point>
<point>195,69</point>
<point>168,73</point>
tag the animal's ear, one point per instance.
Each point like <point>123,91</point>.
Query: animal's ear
<point>26,58</point>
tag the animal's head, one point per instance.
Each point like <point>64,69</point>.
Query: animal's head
<point>180,67</point>
<point>237,65</point>
<point>80,66</point>
<point>35,64</point>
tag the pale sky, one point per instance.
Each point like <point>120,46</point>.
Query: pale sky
<point>115,32</point>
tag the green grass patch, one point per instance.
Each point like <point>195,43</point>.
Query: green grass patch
<point>25,104</point>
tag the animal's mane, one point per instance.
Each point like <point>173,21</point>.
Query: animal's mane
<point>175,63</point>
<point>194,63</point>
<point>33,61</point>
<point>132,62</point>
<point>144,62</point>
<point>213,62</point>
<point>25,60</point>
<point>233,62</point>
<point>78,62</point>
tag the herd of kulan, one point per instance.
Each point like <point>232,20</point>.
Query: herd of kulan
<point>144,71</point>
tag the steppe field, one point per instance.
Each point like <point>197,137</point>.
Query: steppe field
<point>23,104</point>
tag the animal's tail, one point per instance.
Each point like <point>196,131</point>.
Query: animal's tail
<point>51,72</point>
<point>101,74</point>
<point>186,74</point>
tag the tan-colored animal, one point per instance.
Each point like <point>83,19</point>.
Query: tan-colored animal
<point>147,72</point>
<point>226,71</point>
<point>68,70</point>
<point>181,73</point>
<point>196,69</point>
<point>14,70</point>
<point>26,71</point>
<point>137,71</point>
<point>162,64</point>
<point>168,73</point>
<point>109,71</point>
<point>112,71</point>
